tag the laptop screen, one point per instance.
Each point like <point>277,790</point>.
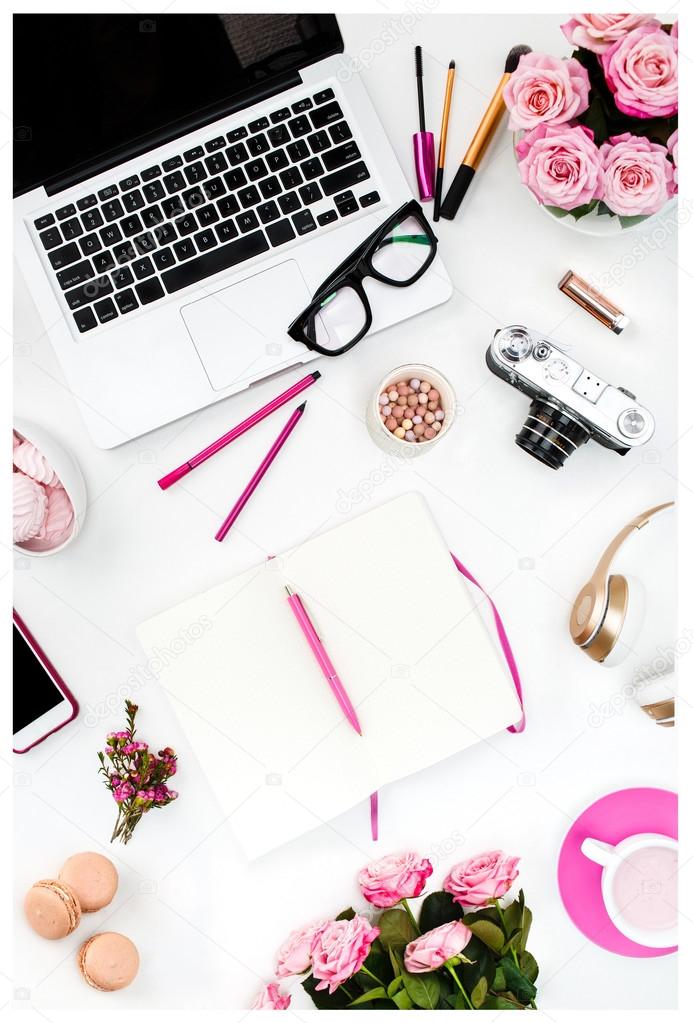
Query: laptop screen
<point>93,89</point>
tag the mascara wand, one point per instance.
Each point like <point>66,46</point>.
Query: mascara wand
<point>424,147</point>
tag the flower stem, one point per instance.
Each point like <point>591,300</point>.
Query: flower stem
<point>380,983</point>
<point>454,976</point>
<point>409,913</point>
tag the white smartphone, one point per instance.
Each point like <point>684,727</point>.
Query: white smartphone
<point>42,703</point>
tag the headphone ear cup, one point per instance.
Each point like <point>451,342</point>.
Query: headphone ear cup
<point>631,628</point>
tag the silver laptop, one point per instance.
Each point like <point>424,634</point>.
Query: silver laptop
<point>182,185</point>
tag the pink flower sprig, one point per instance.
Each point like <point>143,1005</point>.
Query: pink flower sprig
<point>135,777</point>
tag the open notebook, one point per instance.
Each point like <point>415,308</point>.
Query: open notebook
<point>424,674</point>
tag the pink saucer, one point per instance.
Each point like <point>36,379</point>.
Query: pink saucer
<point>611,819</point>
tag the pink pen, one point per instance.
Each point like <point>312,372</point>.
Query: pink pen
<point>259,473</point>
<point>172,477</point>
<point>321,656</point>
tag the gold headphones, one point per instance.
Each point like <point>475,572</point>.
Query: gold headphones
<point>600,607</point>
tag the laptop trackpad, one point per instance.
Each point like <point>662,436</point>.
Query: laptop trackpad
<point>240,331</point>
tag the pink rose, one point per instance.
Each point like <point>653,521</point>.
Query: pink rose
<point>431,950</point>
<point>673,147</point>
<point>642,72</point>
<point>638,176</point>
<point>294,955</point>
<point>597,32</point>
<point>339,950</point>
<point>480,880</point>
<point>271,998</point>
<point>674,33</point>
<point>545,90</point>
<point>387,881</point>
<point>561,166</point>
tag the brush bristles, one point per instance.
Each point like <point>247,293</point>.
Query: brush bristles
<point>513,58</point>
<point>418,59</point>
<point>451,65</point>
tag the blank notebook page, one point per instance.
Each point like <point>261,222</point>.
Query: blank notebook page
<point>266,728</point>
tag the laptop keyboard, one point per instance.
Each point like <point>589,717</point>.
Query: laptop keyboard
<point>205,210</point>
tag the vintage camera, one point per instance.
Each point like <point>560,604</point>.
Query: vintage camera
<point>570,404</point>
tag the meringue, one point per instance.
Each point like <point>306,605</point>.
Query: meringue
<point>31,462</point>
<point>29,505</point>
<point>58,518</point>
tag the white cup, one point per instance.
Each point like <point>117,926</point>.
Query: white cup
<point>380,433</point>
<point>632,893</point>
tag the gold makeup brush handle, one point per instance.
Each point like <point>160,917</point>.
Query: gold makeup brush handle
<point>487,127</point>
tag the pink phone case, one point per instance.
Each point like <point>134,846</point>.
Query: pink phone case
<point>47,664</point>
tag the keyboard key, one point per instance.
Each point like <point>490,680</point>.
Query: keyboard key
<point>328,217</point>
<point>72,229</point>
<point>174,182</point>
<point>268,211</point>
<point>87,293</point>
<point>235,179</point>
<point>86,202</point>
<point>207,216</point>
<point>280,115</point>
<point>145,243</point>
<point>185,249</point>
<point>298,151</point>
<point>193,154</point>
<point>318,141</point>
<point>172,164</point>
<point>218,143</point>
<point>108,192</point>
<point>312,168</point>
<point>124,253</point>
<point>226,231</point>
<point>345,208</point>
<point>133,201</point>
<point>323,96</point>
<point>339,132</point>
<point>51,238</point>
<point>221,258</point>
<point>64,256</point>
<point>236,134</point>
<point>122,277</point>
<point>270,186</point>
<point>257,145</point>
<point>299,126</point>
<point>326,115</point>
<point>112,210</point>
<point>77,274</point>
<point>103,261</point>
<point>249,196</point>
<point>247,222</point>
<point>213,188</point>
<point>85,319</point>
<point>291,178</point>
<point>131,225</point>
<point>301,105</point>
<point>256,169</point>
<point>90,244</point>
<point>195,172</point>
<point>152,216</point>
<point>143,268</point>
<point>280,233</point>
<point>278,160</point>
<point>228,205</point>
<point>216,163</point>
<point>237,154</point>
<point>106,310</point>
<point>173,207</point>
<point>279,136</point>
<point>66,211</point>
<point>151,172</point>
<point>344,178</point>
<point>187,224</point>
<point>369,199</point>
<point>91,220</point>
<point>153,191</point>
<point>163,259</point>
<point>289,203</point>
<point>149,291</point>
<point>194,197</point>
<point>111,234</point>
<point>45,221</point>
<point>303,222</point>
<point>310,193</point>
<point>259,124</point>
<point>166,233</point>
<point>126,301</point>
<point>127,183</point>
<point>205,240</point>
<point>341,155</point>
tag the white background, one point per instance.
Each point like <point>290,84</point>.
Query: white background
<point>206,924</point>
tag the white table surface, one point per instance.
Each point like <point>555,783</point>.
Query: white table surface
<point>206,923</point>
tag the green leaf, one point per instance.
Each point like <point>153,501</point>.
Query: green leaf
<point>502,1001</point>
<point>402,1000</point>
<point>438,908</point>
<point>512,915</point>
<point>479,993</point>
<point>513,942</point>
<point>346,914</point>
<point>603,209</point>
<point>630,221</point>
<point>526,925</point>
<point>516,981</point>
<point>556,210</point>
<point>323,999</point>
<point>529,966</point>
<point>394,985</point>
<point>396,961</point>
<point>483,964</point>
<point>581,211</point>
<point>396,929</point>
<point>369,996</point>
<point>422,988</point>
<point>489,933</point>
<point>460,1001</point>
<point>499,980</point>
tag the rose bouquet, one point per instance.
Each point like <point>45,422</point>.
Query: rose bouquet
<point>466,950</point>
<point>597,132</point>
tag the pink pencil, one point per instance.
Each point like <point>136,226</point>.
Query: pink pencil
<point>259,473</point>
<point>176,474</point>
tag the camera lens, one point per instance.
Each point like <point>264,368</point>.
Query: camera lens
<point>550,434</point>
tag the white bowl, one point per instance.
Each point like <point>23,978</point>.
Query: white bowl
<point>380,433</point>
<point>69,473</point>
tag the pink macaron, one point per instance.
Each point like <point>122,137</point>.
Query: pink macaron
<point>108,961</point>
<point>92,877</point>
<point>52,909</point>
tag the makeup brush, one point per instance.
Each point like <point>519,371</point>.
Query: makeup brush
<point>482,137</point>
<point>449,84</point>
<point>424,146</point>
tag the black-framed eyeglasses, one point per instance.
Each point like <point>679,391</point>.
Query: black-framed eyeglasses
<point>396,253</point>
